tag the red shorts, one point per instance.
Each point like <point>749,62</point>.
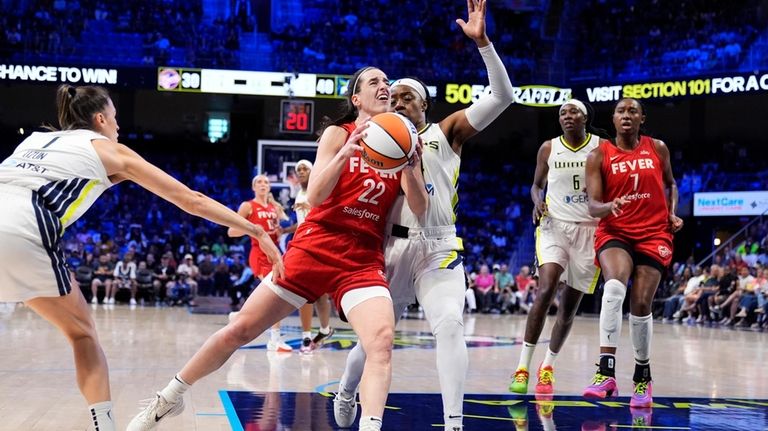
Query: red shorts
<point>656,246</point>
<point>258,262</point>
<point>320,261</point>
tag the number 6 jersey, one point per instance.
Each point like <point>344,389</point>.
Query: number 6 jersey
<point>566,186</point>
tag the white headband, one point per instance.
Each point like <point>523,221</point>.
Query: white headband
<point>577,103</point>
<point>414,84</point>
<point>304,162</point>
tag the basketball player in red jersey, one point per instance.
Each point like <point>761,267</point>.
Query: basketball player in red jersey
<point>338,249</point>
<point>626,184</point>
<point>263,211</point>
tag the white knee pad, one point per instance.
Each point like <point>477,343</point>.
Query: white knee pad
<point>641,332</point>
<point>614,292</point>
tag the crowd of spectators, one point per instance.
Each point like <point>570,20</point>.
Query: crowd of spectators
<point>341,36</point>
<point>664,38</point>
<point>731,290</point>
<point>338,36</point>
<point>171,32</point>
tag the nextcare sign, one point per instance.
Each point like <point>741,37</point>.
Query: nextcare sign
<point>58,74</point>
<point>730,203</point>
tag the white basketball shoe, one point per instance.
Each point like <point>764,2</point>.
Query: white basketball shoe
<point>158,409</point>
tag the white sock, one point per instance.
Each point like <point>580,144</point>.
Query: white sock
<point>370,423</point>
<point>641,332</point>
<point>549,360</point>
<point>175,389</point>
<point>306,334</point>
<point>274,334</point>
<point>525,355</point>
<point>325,330</point>
<point>101,413</point>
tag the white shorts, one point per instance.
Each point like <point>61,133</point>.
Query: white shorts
<point>572,246</point>
<point>33,263</point>
<point>428,256</point>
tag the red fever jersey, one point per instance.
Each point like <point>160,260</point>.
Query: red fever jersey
<point>637,176</point>
<point>340,245</point>
<point>266,217</point>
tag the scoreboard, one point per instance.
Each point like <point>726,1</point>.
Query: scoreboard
<point>254,83</point>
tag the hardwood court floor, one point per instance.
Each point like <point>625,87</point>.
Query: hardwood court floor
<point>145,346</point>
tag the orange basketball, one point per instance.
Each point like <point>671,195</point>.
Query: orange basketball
<point>391,140</point>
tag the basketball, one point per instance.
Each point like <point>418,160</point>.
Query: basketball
<point>391,140</point>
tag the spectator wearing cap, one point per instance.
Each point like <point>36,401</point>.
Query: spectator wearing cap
<point>188,273</point>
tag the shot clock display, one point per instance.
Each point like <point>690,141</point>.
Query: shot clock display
<point>297,116</point>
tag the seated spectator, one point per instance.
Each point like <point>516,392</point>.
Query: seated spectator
<point>164,277</point>
<point>505,288</point>
<point>526,288</point>
<point>483,283</point>
<point>206,270</point>
<point>144,283</point>
<point>241,288</point>
<point>103,275</point>
<point>188,273</point>
<point>125,277</point>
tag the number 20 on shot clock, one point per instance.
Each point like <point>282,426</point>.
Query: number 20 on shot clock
<point>297,116</point>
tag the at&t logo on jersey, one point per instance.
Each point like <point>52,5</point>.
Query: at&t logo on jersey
<point>580,198</point>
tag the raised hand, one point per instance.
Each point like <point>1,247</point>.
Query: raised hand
<point>474,27</point>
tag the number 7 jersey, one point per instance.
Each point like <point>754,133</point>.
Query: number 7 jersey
<point>566,185</point>
<point>636,176</point>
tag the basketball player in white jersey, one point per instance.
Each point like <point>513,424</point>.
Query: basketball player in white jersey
<point>565,251</point>
<point>422,253</point>
<point>48,182</point>
<point>302,207</point>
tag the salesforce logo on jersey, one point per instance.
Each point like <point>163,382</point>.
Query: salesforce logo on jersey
<point>576,199</point>
<point>730,203</point>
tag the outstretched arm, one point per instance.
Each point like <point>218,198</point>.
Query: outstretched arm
<point>462,125</point>
<point>122,163</point>
<point>245,211</point>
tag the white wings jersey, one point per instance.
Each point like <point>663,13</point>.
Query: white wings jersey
<point>61,168</point>
<point>441,176</point>
<point>566,183</point>
<point>301,214</point>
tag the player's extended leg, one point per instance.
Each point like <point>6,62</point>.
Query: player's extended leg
<point>72,316</point>
<point>441,293</point>
<point>646,280</point>
<point>344,404</point>
<point>616,264</point>
<point>262,308</point>
<point>549,279</point>
<point>569,304</point>
<point>374,323</point>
